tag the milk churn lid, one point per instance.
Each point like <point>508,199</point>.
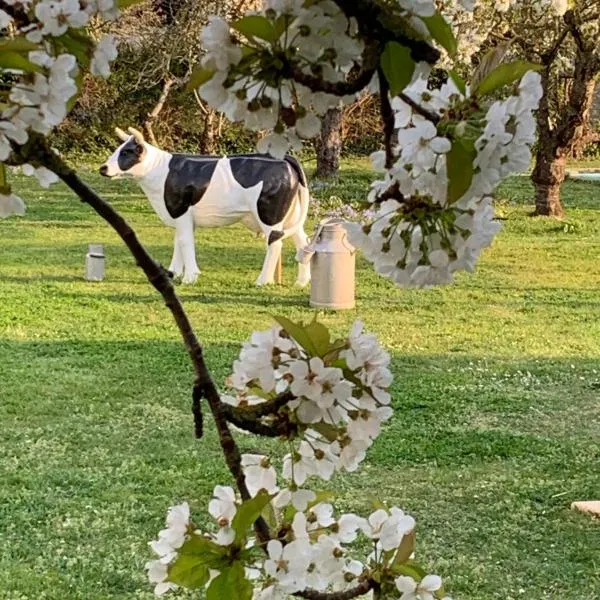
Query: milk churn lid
<point>96,250</point>
<point>335,224</point>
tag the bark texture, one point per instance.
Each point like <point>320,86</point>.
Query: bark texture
<point>329,146</point>
<point>153,115</point>
<point>565,129</point>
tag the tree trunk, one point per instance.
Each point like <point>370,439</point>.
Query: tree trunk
<point>584,133</point>
<point>555,142</point>
<point>548,176</point>
<point>329,147</point>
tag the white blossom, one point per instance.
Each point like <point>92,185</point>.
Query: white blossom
<point>259,474</point>
<point>423,590</point>
<point>11,204</point>
<point>44,176</point>
<point>223,507</point>
<point>289,564</point>
<point>104,54</point>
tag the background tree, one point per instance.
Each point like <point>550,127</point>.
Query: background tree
<point>329,144</point>
<point>567,44</point>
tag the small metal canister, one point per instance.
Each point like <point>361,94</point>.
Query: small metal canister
<point>94,263</point>
<point>332,266</point>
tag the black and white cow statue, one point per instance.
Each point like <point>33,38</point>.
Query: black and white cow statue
<point>268,195</point>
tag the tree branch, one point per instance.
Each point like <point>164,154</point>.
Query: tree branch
<point>37,153</point>
<point>264,409</point>
<point>362,78</point>
<point>387,115</point>
<point>152,116</point>
<point>360,590</point>
<point>17,12</point>
<point>384,22</point>
<point>430,116</point>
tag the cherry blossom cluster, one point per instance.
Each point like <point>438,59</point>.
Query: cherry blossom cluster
<point>420,234</point>
<point>302,546</point>
<point>336,403</point>
<point>251,66</point>
<point>45,56</point>
<point>311,550</point>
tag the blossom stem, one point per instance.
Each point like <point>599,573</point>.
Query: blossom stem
<point>430,116</point>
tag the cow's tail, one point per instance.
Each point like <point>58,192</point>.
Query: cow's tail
<point>303,194</point>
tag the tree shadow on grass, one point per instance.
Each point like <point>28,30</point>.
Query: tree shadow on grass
<point>447,411</point>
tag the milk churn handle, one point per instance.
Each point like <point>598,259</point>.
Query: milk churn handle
<point>347,244</point>
<point>305,254</point>
<point>316,235</point>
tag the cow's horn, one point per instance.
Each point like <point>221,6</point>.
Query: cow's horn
<point>138,135</point>
<point>121,134</point>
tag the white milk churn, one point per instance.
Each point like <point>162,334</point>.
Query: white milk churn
<point>332,266</point>
<point>94,263</point>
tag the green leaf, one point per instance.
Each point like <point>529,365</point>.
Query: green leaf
<point>298,333</point>
<point>406,548</point>
<point>441,32</point>
<point>322,496</point>
<point>230,583</point>
<point>412,569</point>
<point>281,24</point>
<point>211,554</point>
<point>256,26</point>
<point>459,82</point>
<point>16,61</point>
<point>459,163</point>
<point>18,44</point>
<point>490,60</point>
<point>504,74</point>
<point>398,66</point>
<point>189,572</point>
<point>269,515</point>
<point>79,44</point>
<point>79,82</point>
<point>376,503</point>
<point>194,559</point>
<point>247,513</point>
<point>319,335</point>
<point>329,432</point>
<point>199,76</point>
<point>127,3</point>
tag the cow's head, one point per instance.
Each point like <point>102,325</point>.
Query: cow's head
<point>128,159</point>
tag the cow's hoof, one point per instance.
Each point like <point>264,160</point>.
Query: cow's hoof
<point>302,283</point>
<point>191,278</point>
<point>175,275</point>
<point>260,282</point>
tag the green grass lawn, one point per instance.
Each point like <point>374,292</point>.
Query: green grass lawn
<point>497,394</point>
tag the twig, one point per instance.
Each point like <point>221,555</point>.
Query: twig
<point>360,590</point>
<point>430,116</point>
<point>387,115</point>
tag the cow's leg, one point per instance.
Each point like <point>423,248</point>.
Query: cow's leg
<point>274,246</point>
<point>184,227</point>
<point>176,266</point>
<point>300,240</point>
